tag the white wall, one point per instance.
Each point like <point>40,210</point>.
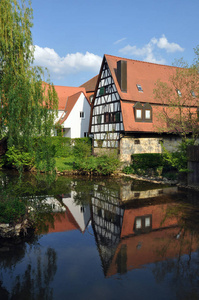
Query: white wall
<point>78,125</point>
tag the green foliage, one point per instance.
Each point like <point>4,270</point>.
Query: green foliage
<point>179,159</point>
<point>147,160</point>
<point>11,210</point>
<point>169,164</point>
<point>62,146</point>
<point>28,105</point>
<point>18,158</point>
<point>59,129</point>
<point>152,164</point>
<point>179,111</point>
<point>66,147</point>
<point>82,147</point>
<point>100,165</point>
<point>65,163</point>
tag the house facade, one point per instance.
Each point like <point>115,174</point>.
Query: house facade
<point>124,112</point>
<point>73,111</point>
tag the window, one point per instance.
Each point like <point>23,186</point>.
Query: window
<point>138,110</point>
<point>179,92</point>
<point>143,224</point>
<point>99,119</point>
<point>143,113</point>
<point>117,117</point>
<point>137,142</point>
<point>102,91</point>
<point>106,118</point>
<point>82,114</point>
<point>139,87</point>
<point>147,112</point>
<point>193,94</point>
<point>138,114</point>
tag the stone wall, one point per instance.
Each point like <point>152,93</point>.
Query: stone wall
<point>132,145</point>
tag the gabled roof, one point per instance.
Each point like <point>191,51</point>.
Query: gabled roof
<point>69,104</point>
<point>64,92</point>
<point>90,84</point>
<point>146,75</point>
<point>143,73</point>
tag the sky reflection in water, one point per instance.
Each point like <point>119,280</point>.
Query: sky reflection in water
<point>105,239</point>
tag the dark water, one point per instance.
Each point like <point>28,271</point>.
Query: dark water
<point>103,239</point>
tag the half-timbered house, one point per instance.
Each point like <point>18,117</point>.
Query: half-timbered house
<point>124,110</point>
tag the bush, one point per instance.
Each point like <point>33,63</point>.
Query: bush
<point>152,164</point>
<point>179,158</point>
<point>82,147</point>
<point>100,165</point>
<point>62,146</point>
<point>147,160</point>
<point>18,158</point>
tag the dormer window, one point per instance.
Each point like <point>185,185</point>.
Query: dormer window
<point>138,110</point>
<point>139,87</point>
<point>179,93</point>
<point>143,113</point>
<point>147,112</point>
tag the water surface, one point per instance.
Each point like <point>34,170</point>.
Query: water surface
<point>103,239</point>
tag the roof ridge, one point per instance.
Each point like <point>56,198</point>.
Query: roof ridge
<point>144,62</point>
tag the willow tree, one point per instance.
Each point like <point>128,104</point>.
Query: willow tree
<point>28,106</point>
<point>179,99</point>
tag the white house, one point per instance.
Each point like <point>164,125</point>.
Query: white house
<point>73,111</point>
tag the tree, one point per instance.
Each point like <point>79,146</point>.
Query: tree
<point>179,98</point>
<point>27,106</point>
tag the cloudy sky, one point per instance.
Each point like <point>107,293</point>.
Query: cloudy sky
<point>71,36</point>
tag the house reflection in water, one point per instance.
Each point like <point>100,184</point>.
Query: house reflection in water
<point>71,216</point>
<point>133,234</point>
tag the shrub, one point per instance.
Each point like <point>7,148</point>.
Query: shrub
<point>18,158</point>
<point>100,165</point>
<point>62,146</point>
<point>82,147</point>
<point>179,158</point>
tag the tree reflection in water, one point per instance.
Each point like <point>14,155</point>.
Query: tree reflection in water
<point>133,228</point>
<point>185,267</point>
<point>34,282</point>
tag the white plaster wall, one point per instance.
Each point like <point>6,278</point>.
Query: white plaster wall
<point>60,112</point>
<point>78,125</point>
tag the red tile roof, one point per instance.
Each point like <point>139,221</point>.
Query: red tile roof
<point>143,73</point>
<point>71,100</point>
<point>64,92</point>
<point>90,84</point>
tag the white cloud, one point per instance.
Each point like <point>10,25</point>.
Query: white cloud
<point>148,51</point>
<point>119,41</point>
<point>70,64</point>
<point>163,43</point>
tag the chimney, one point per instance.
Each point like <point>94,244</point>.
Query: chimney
<point>122,75</point>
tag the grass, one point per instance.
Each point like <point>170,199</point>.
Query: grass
<point>64,163</point>
<point>102,165</point>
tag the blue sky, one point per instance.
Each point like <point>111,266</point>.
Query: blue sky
<point>71,37</point>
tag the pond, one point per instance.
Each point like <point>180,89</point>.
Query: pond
<point>103,238</point>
